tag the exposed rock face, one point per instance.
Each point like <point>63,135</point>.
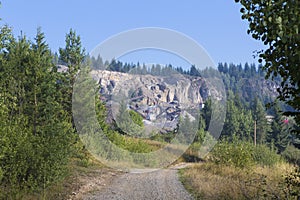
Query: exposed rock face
<point>163,89</point>
<point>159,99</point>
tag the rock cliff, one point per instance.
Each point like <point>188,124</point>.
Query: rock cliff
<point>160,100</point>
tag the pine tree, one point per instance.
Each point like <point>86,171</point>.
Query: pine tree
<point>246,125</point>
<point>262,125</point>
<point>221,68</point>
<point>35,132</point>
<point>238,122</point>
<point>72,55</point>
<point>206,113</point>
<point>231,125</point>
<point>194,71</point>
<point>247,70</point>
<point>278,135</point>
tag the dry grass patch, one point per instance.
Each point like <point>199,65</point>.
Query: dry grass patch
<point>211,181</point>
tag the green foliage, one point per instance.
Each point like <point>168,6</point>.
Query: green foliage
<point>265,156</point>
<point>73,53</point>
<point>130,144</point>
<point>262,126</point>
<point>136,118</point>
<point>206,114</point>
<point>279,134</point>
<point>196,151</point>
<point>129,122</point>
<point>187,127</point>
<point>238,122</point>
<point>276,24</point>
<point>243,154</point>
<point>163,137</point>
<point>125,144</point>
<point>36,136</point>
<point>237,153</point>
<point>292,155</point>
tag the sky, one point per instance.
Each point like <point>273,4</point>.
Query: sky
<point>216,25</point>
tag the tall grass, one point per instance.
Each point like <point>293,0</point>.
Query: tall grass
<point>237,169</point>
<point>213,181</point>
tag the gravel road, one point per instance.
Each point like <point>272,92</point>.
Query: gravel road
<point>159,185</point>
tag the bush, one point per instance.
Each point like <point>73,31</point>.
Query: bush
<point>243,154</point>
<point>292,155</point>
<point>265,156</point>
<point>236,153</point>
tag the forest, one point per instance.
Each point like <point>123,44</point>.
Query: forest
<point>39,140</point>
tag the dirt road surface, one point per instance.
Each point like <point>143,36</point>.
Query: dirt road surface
<point>162,184</point>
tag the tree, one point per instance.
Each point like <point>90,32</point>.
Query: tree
<point>239,121</point>
<point>246,125</point>
<point>72,55</point>
<point>276,24</point>
<point>206,113</point>
<point>262,126</point>
<point>232,122</point>
<point>6,38</point>
<point>220,67</point>
<point>247,70</point>
<point>194,71</point>
<point>97,63</point>
<point>187,129</point>
<point>278,135</point>
<point>35,136</point>
<point>253,70</point>
<point>225,69</point>
<point>50,125</point>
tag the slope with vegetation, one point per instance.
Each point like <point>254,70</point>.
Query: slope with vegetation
<point>40,151</point>
<point>244,170</point>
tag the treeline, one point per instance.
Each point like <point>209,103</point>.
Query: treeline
<point>237,71</point>
<point>36,131</point>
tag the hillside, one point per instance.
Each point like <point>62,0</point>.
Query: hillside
<point>161,100</point>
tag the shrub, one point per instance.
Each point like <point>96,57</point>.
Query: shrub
<point>243,154</point>
<point>265,156</point>
<point>292,154</point>
<point>236,153</point>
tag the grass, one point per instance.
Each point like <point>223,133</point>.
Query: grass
<point>211,181</point>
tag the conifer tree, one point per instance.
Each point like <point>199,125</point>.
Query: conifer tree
<point>71,55</point>
<point>278,135</point>
<point>262,126</point>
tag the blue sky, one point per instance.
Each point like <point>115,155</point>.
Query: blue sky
<point>215,24</point>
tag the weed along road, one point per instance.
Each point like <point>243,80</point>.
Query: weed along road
<point>162,184</point>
